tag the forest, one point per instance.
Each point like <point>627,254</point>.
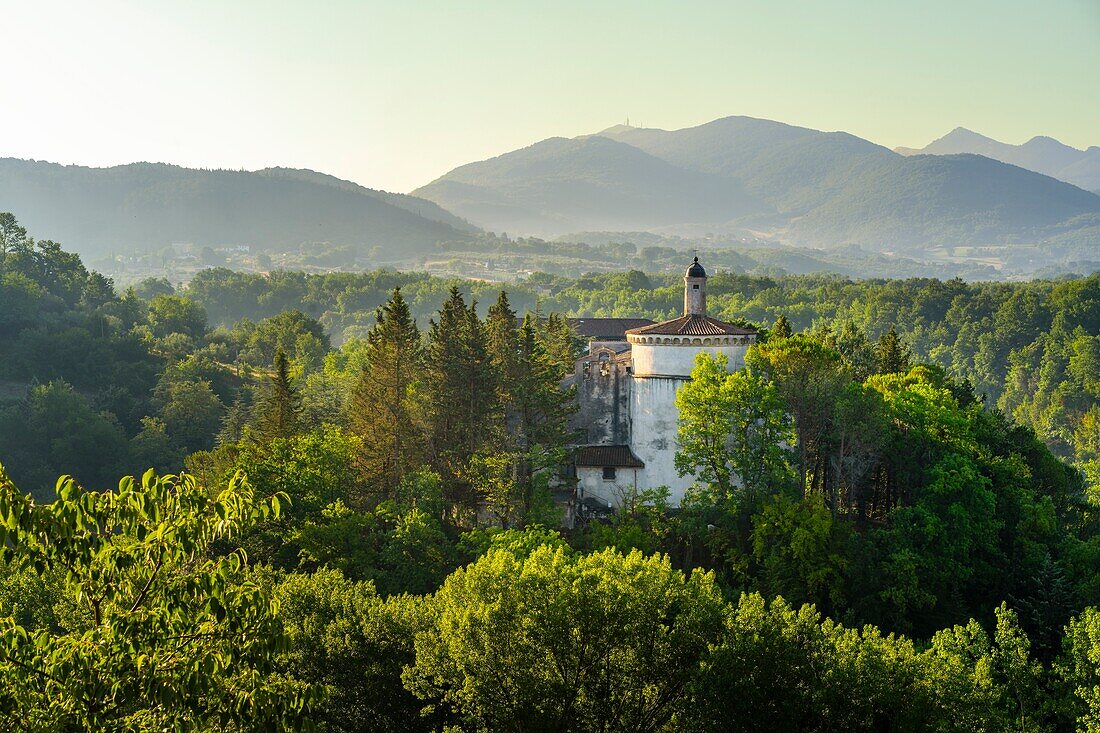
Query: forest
<point>289,501</point>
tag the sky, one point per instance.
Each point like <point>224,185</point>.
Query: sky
<point>394,94</point>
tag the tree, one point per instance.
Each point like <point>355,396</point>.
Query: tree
<point>175,314</point>
<point>798,671</point>
<point>782,328</point>
<point>893,355</point>
<point>277,413</point>
<point>300,337</point>
<point>808,376</point>
<point>386,409</point>
<point>190,411</point>
<point>56,427</point>
<point>1080,667</point>
<point>503,341</point>
<point>801,551</point>
<point>538,424</point>
<point>733,431</point>
<point>346,639</point>
<point>859,433</point>
<point>561,642</point>
<point>459,375</point>
<point>160,635</point>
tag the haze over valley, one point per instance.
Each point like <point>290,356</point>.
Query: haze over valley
<point>965,203</point>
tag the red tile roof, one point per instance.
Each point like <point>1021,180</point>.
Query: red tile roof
<point>606,329</point>
<point>608,455</point>
<point>692,325</point>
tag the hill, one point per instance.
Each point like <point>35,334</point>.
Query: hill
<point>560,185</point>
<point>1040,154</point>
<point>797,184</point>
<point>145,206</point>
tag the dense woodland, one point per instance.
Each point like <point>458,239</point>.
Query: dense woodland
<point>896,524</point>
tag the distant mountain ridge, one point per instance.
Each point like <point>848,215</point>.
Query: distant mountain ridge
<point>1040,154</point>
<point>800,185</point>
<point>146,206</point>
<point>599,183</point>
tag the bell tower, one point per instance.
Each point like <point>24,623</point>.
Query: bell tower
<point>695,290</point>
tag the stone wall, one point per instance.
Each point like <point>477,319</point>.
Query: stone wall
<point>592,484</point>
<point>603,398</point>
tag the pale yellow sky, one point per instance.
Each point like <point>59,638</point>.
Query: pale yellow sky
<point>392,95</point>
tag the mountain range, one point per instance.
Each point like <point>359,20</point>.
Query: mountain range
<point>145,206</point>
<point>1040,154</point>
<point>738,178</point>
<point>798,185</point>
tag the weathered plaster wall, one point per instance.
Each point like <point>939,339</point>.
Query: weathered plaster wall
<point>678,359</point>
<point>653,436</point>
<point>591,483</point>
<point>603,399</point>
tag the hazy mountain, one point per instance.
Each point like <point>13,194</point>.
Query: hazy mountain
<point>145,206</point>
<point>561,185</point>
<point>418,206</point>
<point>1040,154</point>
<point>800,185</point>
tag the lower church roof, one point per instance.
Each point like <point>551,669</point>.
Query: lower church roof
<point>607,329</point>
<point>608,455</point>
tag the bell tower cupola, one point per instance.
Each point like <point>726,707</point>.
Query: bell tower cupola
<point>695,290</point>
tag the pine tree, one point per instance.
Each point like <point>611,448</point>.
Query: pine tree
<point>236,418</point>
<point>543,406</point>
<point>385,408</point>
<point>893,355</point>
<point>278,414</point>
<point>782,328</point>
<point>511,474</point>
<point>463,386</point>
<point>503,341</point>
<point>560,340</point>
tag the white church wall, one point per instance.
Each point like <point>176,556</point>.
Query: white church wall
<point>654,424</point>
<point>591,483</point>
<point>659,370</point>
<point>679,359</point>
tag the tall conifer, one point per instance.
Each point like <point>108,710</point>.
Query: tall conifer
<point>893,354</point>
<point>386,408</point>
<point>503,341</point>
<point>782,328</point>
<point>463,386</point>
<point>278,414</point>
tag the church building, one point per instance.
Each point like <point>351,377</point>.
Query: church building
<point>627,420</point>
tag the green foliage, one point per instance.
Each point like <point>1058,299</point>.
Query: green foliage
<point>801,551</point>
<point>278,409</point>
<point>798,671</point>
<point>352,644</point>
<point>733,429</point>
<point>1081,668</point>
<point>460,376</point>
<point>56,429</point>
<point>561,642</point>
<point>169,314</point>
<point>387,409</point>
<point>519,542</point>
<point>160,635</point>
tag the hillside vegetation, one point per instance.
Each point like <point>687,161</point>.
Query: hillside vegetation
<point>1040,154</point>
<point>144,207</point>
<point>369,536</point>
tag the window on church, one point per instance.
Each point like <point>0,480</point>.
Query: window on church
<point>695,286</point>
<point>608,473</point>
